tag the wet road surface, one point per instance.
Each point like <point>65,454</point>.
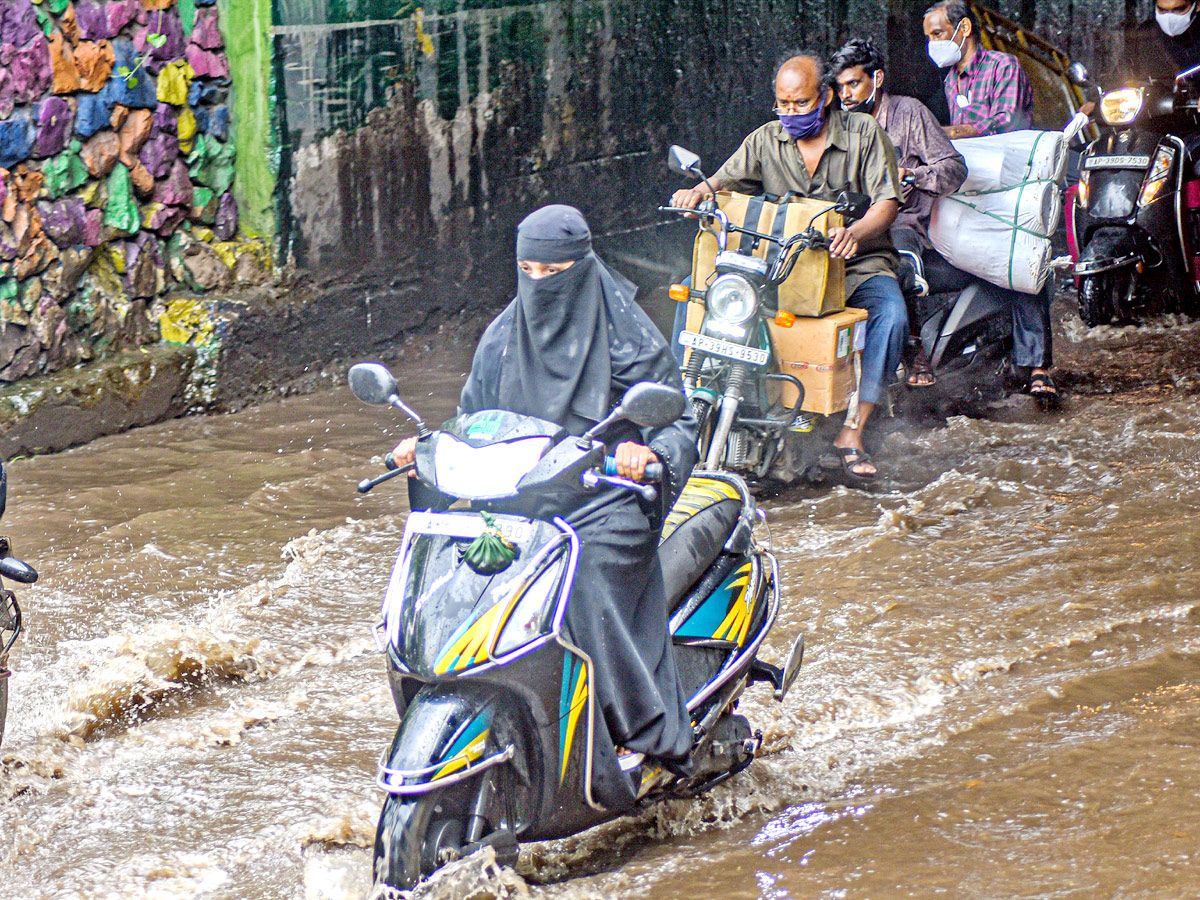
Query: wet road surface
<point>999,700</point>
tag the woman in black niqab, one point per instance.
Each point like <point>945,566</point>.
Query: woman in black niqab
<point>566,349</point>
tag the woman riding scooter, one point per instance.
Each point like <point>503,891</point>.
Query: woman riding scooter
<point>565,350</point>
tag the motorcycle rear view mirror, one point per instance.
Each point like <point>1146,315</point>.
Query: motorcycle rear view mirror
<point>852,205</point>
<point>1078,75</point>
<point>652,405</point>
<point>683,161</point>
<point>372,383</point>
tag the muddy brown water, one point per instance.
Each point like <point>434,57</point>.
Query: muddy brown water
<point>1000,696</point>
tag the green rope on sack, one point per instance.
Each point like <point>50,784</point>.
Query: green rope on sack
<point>491,552</point>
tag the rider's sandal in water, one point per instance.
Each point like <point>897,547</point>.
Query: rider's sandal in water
<point>851,457</point>
<point>1042,389</point>
<point>920,373</point>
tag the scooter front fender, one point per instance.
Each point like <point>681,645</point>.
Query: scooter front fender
<point>1108,249</point>
<point>450,733</point>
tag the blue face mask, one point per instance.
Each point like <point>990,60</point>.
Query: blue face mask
<point>804,125</point>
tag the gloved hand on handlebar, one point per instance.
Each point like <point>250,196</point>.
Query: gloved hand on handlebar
<point>632,459</point>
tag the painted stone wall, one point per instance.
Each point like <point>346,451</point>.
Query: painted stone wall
<point>115,173</point>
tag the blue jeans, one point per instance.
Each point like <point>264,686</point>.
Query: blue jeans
<point>887,327</point>
<point>1032,345</point>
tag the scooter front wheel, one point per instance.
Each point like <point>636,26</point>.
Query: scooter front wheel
<point>418,835</point>
<point>1107,297</point>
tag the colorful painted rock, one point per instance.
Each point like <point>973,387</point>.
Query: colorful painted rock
<point>207,63</point>
<point>63,220</point>
<point>121,213</point>
<point>205,33</point>
<point>93,112</point>
<point>159,153</point>
<point>64,172</point>
<point>28,68</point>
<point>173,82</point>
<point>18,23</point>
<point>94,62</point>
<point>65,77</point>
<point>56,121</point>
<point>135,89</point>
<point>16,137</point>
<point>226,224</point>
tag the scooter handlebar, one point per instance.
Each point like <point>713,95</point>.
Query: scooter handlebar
<point>654,471</point>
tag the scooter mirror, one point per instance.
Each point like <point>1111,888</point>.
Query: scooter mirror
<point>682,160</point>
<point>1078,74</point>
<point>852,205</point>
<point>652,405</point>
<point>372,383</point>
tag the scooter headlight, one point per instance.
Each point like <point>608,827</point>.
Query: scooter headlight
<point>1121,107</point>
<point>1085,188</point>
<point>732,298</point>
<point>1157,179</point>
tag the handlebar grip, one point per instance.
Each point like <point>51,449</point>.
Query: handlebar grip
<point>389,461</point>
<point>654,471</point>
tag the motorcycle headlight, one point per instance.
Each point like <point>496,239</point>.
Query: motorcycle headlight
<point>732,298</point>
<point>1121,107</point>
<point>1159,172</point>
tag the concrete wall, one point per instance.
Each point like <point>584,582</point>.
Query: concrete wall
<point>413,138</point>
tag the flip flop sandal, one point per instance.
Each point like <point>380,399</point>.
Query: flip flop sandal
<point>851,457</point>
<point>920,368</point>
<point>1042,389</point>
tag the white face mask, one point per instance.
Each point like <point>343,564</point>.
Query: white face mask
<point>1174,23</point>
<point>946,53</point>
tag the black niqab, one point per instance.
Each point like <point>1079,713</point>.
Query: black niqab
<point>565,332</point>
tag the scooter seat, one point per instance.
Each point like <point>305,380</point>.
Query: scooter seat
<point>698,526</point>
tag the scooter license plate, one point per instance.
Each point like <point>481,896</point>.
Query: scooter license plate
<point>1117,162</point>
<point>706,344</point>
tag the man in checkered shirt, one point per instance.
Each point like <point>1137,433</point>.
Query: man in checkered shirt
<point>988,92</point>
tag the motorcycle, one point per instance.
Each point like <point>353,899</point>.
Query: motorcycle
<point>10,612</point>
<point>1133,228</point>
<point>732,376</point>
<point>496,741</point>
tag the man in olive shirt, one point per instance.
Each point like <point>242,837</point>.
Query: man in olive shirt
<point>818,152</point>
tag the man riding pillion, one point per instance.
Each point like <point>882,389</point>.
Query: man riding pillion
<point>818,151</point>
<point>926,158</point>
<point>989,93</point>
<point>565,350</point>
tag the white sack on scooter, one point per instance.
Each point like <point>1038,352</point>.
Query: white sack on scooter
<point>989,248</point>
<point>1003,160</point>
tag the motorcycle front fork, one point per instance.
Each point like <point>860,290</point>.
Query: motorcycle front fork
<point>729,407</point>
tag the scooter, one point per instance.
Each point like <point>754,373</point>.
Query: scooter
<point>1133,228</point>
<point>496,743</point>
<point>10,612</point>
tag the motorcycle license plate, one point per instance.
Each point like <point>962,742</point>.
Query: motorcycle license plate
<point>1117,162</point>
<point>728,349</point>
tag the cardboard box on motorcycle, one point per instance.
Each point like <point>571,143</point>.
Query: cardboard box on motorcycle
<point>820,348</point>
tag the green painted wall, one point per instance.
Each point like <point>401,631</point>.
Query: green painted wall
<point>246,26</point>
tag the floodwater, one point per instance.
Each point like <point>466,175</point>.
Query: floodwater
<point>1000,696</point>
